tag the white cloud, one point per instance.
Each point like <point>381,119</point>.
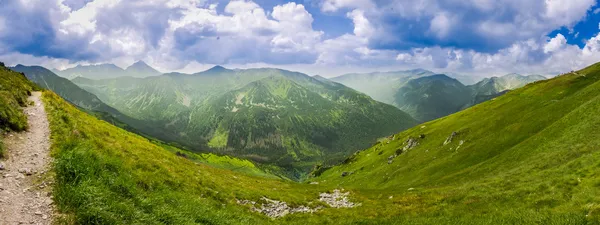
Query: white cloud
<point>441,25</point>
<point>555,43</point>
<point>362,26</point>
<point>335,5</point>
<point>241,7</point>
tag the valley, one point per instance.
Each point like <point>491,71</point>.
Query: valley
<point>460,169</point>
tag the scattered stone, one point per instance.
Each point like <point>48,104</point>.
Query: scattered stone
<point>449,139</point>
<point>337,199</point>
<point>44,217</point>
<point>410,144</point>
<point>26,171</point>
<point>276,209</point>
<point>314,182</point>
<point>422,136</point>
<point>345,174</point>
<point>391,158</point>
<point>2,166</point>
<point>38,213</point>
<point>411,189</point>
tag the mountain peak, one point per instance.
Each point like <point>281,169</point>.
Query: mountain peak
<point>215,70</point>
<point>141,69</point>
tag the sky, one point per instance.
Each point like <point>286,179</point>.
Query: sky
<point>324,37</point>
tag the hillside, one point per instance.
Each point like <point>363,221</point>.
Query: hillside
<point>432,97</point>
<point>268,115</point>
<point>14,90</point>
<point>531,153</point>
<point>381,86</point>
<point>495,85</point>
<point>426,96</point>
<point>83,99</point>
<point>503,166</point>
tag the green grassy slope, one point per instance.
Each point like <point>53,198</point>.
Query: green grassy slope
<point>14,90</point>
<point>86,100</point>
<point>271,116</point>
<point>106,175</point>
<point>529,156</point>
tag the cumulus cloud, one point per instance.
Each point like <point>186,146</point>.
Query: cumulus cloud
<point>482,36</point>
<point>481,25</point>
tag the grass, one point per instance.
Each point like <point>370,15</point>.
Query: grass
<point>528,157</point>
<point>106,175</point>
<point>529,154</point>
<point>14,90</point>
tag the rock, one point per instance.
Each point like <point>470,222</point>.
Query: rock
<point>38,213</point>
<point>410,144</point>
<point>44,217</point>
<point>314,182</point>
<point>345,174</point>
<point>422,136</point>
<point>2,166</point>
<point>337,199</point>
<point>26,171</point>
<point>411,189</point>
<point>449,139</point>
<point>275,209</point>
<point>391,159</point>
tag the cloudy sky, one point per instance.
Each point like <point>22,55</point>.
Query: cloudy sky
<point>327,37</point>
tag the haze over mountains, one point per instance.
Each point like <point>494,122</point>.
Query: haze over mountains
<point>105,71</point>
<point>426,95</point>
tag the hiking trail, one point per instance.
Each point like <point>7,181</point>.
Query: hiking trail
<point>25,187</point>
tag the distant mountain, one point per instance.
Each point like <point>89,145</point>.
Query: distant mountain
<point>108,71</point>
<point>80,98</point>
<point>495,85</point>
<point>141,69</point>
<point>381,86</point>
<point>426,96</point>
<point>268,115</point>
<point>432,97</point>
<point>101,71</point>
<point>464,79</point>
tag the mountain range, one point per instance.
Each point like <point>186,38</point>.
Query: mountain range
<point>105,71</point>
<point>268,115</point>
<point>527,157</point>
<point>427,96</point>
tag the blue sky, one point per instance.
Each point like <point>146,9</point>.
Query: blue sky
<point>326,37</point>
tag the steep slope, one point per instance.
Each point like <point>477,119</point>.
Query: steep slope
<point>531,153</point>
<point>432,97</point>
<point>83,99</point>
<point>14,90</point>
<point>267,115</point>
<point>105,175</point>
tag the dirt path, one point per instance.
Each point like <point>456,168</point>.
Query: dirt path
<point>25,194</point>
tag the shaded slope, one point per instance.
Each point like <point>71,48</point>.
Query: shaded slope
<point>432,97</point>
